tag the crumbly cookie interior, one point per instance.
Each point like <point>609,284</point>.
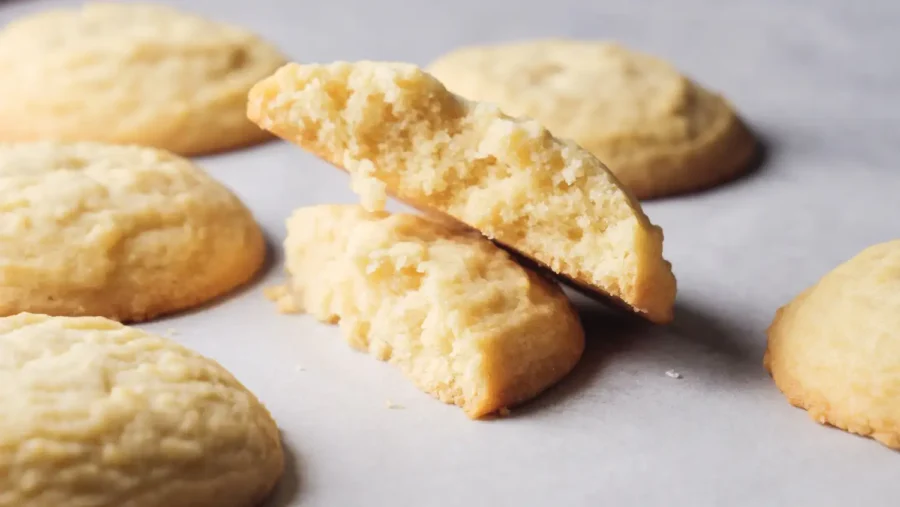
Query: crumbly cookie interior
<point>454,312</point>
<point>396,129</point>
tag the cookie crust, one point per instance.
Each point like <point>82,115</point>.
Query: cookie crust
<point>661,133</point>
<point>97,413</point>
<point>130,73</point>
<point>124,232</point>
<point>835,349</point>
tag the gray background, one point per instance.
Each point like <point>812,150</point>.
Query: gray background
<point>819,81</point>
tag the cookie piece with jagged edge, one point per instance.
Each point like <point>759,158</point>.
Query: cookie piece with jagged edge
<point>397,130</point>
<point>459,317</point>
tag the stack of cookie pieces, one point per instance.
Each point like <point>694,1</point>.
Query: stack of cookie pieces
<point>463,318</point>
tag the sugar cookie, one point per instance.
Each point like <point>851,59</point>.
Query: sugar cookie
<point>130,73</point>
<point>396,129</point>
<point>121,232</point>
<point>453,311</point>
<point>835,349</point>
<point>657,130</point>
<point>97,413</point>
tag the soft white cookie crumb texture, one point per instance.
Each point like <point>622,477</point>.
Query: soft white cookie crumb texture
<point>455,313</point>
<point>397,130</point>
<point>94,413</point>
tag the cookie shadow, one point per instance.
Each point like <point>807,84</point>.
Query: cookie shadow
<point>697,344</point>
<point>757,166</point>
<point>720,349</point>
<point>287,490</point>
<point>244,149</point>
<point>759,162</point>
<point>609,332</point>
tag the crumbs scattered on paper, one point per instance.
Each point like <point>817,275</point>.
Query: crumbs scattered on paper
<point>390,405</point>
<point>673,374</point>
<point>299,368</point>
<point>280,295</point>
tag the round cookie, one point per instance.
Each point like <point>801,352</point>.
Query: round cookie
<point>97,413</point>
<point>130,74</point>
<point>835,349</point>
<point>660,133</point>
<point>122,232</point>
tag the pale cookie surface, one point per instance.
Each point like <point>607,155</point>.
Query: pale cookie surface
<point>453,311</point>
<point>99,414</point>
<point>121,232</point>
<point>398,130</point>
<point>130,74</point>
<point>835,349</point>
<point>658,131</point>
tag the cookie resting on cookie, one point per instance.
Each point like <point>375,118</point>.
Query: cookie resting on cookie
<point>460,318</point>
<point>130,73</point>
<point>660,132</point>
<point>97,413</point>
<point>835,349</point>
<point>397,130</point>
<point>123,232</point>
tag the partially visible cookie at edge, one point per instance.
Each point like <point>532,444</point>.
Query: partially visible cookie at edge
<point>97,413</point>
<point>123,232</point>
<point>398,131</point>
<point>659,131</point>
<point>835,349</point>
<point>130,73</point>
<point>458,316</point>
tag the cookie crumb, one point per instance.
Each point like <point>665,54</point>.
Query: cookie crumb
<point>372,191</point>
<point>275,292</point>
<point>673,374</point>
<point>280,295</point>
<point>503,412</point>
<point>390,405</point>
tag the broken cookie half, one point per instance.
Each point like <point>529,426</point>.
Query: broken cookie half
<point>454,312</point>
<point>398,131</point>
